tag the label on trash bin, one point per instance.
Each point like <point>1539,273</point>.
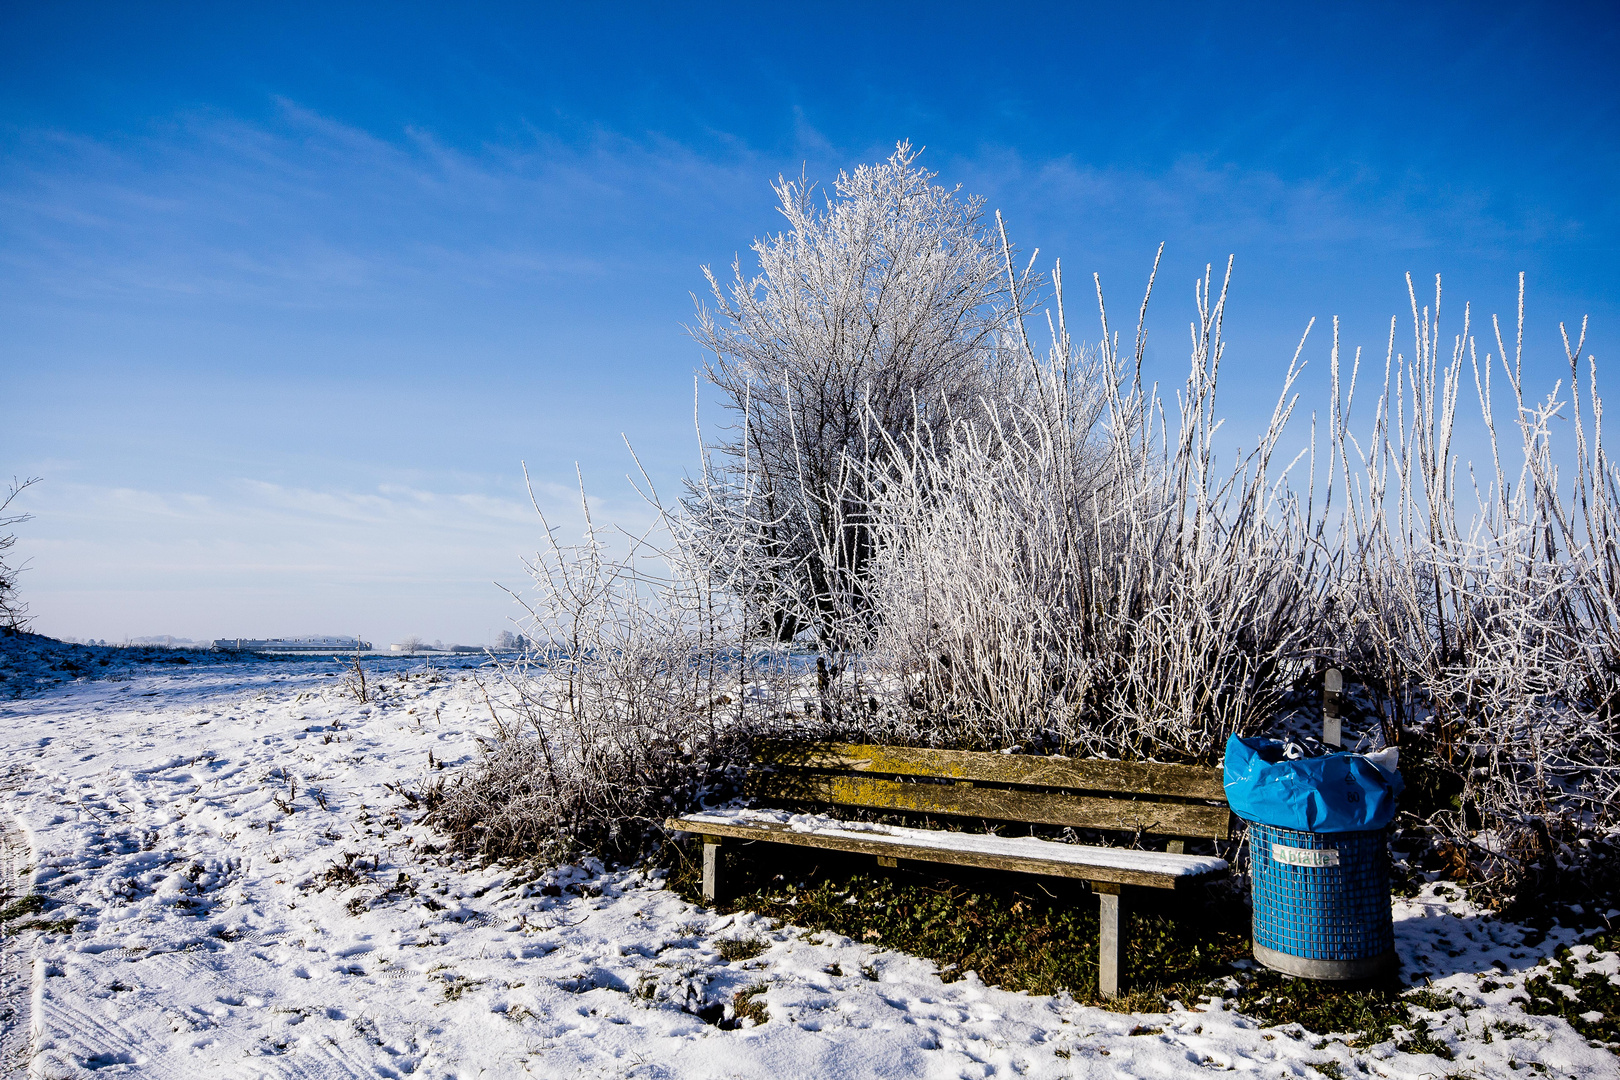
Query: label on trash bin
<point>1299,856</point>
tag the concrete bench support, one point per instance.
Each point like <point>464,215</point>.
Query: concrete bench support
<point>711,869</point>
<point>1113,928</point>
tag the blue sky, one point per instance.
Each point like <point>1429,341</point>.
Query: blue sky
<point>288,291</point>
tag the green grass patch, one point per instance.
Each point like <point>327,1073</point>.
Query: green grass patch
<point>1423,1041</point>
<point>1594,993</point>
<point>1366,1015</point>
<point>1015,931</point>
<point>740,948</point>
<point>746,1004</point>
<point>456,985</point>
<point>32,904</point>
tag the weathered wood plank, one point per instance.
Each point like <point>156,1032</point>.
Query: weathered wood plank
<point>781,834</point>
<point>999,804</point>
<point>1129,777</point>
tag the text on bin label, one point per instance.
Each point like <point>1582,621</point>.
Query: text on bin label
<point>1298,856</point>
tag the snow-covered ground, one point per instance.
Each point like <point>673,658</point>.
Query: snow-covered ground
<point>251,895</point>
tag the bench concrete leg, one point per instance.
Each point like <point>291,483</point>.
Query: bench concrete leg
<point>711,869</point>
<point>1176,847</point>
<point>888,862</point>
<point>1113,925</point>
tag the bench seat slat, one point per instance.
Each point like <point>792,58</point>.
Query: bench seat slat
<point>1001,804</point>
<point>1128,777</point>
<point>1023,853</point>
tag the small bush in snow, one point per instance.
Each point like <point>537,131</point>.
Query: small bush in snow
<point>639,708</point>
<point>13,612</point>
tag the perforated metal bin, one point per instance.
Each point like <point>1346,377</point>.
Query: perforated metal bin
<point>1321,902</point>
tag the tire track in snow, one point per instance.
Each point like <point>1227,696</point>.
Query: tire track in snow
<point>16,962</point>
<point>80,1041</point>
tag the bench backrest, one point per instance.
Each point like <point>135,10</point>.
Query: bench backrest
<point>1125,796</point>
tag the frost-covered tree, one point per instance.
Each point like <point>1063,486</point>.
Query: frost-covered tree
<point>883,308</point>
<point>13,612</point>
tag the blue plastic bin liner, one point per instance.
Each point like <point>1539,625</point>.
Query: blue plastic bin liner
<point>1334,794</point>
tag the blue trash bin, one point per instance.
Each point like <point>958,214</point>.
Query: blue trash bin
<point>1318,857</point>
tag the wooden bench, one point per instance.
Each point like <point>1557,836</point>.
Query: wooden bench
<point>1162,803</point>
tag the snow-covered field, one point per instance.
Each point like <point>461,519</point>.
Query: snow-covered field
<point>250,895</point>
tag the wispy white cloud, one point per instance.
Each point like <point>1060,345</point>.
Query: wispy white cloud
<point>309,212</point>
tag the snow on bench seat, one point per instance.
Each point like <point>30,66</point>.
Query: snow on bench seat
<point>1026,853</point>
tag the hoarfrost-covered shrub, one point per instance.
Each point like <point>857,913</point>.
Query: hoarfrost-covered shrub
<point>636,709</point>
<point>983,546</point>
<point>1488,625</point>
<point>1071,574</point>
